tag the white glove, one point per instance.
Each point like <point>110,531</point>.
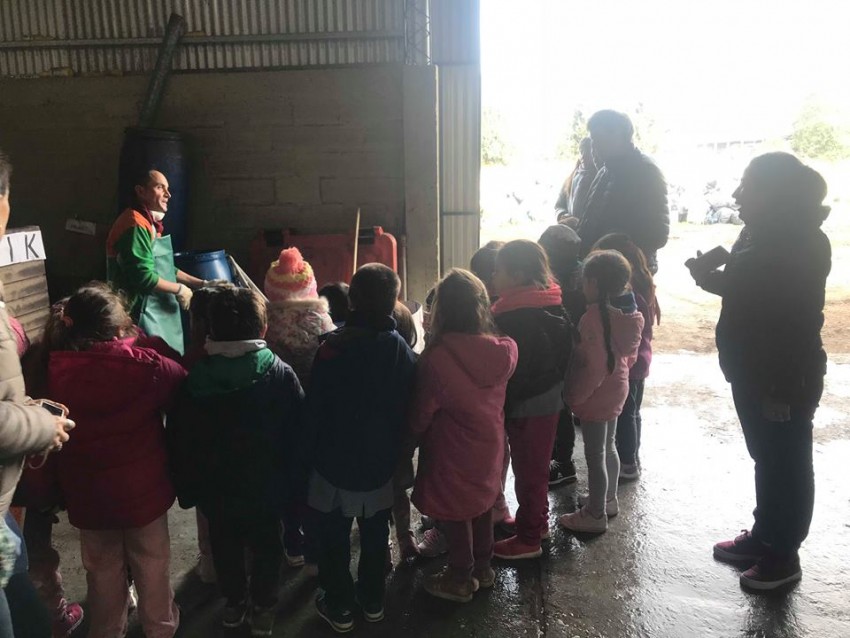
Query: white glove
<point>184,296</point>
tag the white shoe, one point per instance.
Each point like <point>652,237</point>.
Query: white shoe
<point>294,560</point>
<point>133,596</point>
<point>612,507</point>
<point>583,521</point>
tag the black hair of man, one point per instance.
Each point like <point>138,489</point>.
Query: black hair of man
<point>612,122</point>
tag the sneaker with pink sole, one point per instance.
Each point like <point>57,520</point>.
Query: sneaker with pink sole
<point>66,618</point>
<point>433,544</point>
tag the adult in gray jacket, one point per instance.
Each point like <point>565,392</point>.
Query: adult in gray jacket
<point>24,428</point>
<point>629,194</point>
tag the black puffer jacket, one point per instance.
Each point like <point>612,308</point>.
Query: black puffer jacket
<point>236,451</point>
<point>544,338</point>
<point>768,334</point>
<point>629,195</point>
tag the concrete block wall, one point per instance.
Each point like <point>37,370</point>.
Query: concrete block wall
<point>302,149</point>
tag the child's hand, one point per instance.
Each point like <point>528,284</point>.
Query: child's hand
<point>775,412</point>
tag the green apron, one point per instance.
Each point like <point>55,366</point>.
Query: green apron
<point>160,313</point>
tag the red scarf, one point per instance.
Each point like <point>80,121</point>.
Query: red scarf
<point>527,297</point>
<point>146,213</point>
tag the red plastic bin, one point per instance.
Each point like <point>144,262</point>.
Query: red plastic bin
<point>331,256</point>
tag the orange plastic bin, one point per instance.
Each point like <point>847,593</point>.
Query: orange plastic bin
<point>331,256</point>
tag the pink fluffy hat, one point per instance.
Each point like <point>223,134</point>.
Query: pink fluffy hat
<point>290,277</point>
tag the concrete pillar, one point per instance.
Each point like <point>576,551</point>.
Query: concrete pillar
<point>421,179</point>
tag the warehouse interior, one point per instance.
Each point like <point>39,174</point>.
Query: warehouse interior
<point>333,118</point>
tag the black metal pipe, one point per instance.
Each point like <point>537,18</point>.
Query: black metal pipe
<point>153,97</point>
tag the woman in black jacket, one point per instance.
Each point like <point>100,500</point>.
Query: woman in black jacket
<point>768,338</point>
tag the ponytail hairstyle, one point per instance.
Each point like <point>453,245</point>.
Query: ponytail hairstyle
<point>611,272</point>
<point>526,261</point>
<point>642,281</point>
<point>462,305</point>
<point>94,313</point>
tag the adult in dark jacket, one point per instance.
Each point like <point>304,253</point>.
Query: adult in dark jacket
<point>629,194</point>
<point>572,199</point>
<point>357,405</point>
<point>770,347</point>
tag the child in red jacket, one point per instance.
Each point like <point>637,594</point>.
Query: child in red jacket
<point>114,474</point>
<point>458,415</point>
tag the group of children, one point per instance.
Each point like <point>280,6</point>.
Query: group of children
<point>287,420</point>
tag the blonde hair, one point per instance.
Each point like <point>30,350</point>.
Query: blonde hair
<point>461,304</point>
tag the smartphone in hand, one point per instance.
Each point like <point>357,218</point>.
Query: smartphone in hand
<point>56,409</point>
<point>706,262</point>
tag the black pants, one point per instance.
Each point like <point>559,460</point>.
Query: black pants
<point>335,559</point>
<point>785,479</point>
<point>230,536</point>
<point>565,438</point>
<point>629,424</point>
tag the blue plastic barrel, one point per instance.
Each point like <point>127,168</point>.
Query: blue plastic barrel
<point>165,151</point>
<point>204,265</point>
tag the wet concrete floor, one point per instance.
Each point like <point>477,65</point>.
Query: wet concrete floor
<point>651,574</point>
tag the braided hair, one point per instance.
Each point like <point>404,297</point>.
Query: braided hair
<point>611,272</point>
<point>642,281</point>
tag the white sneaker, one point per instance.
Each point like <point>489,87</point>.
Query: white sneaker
<point>433,544</point>
<point>612,507</point>
<point>134,597</point>
<point>294,560</point>
<point>583,521</point>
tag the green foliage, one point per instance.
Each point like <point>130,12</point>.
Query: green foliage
<point>495,149</point>
<point>815,137</point>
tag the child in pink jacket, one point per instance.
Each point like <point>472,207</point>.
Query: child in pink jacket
<point>598,381</point>
<point>458,419</point>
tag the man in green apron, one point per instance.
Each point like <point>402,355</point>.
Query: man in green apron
<point>140,263</point>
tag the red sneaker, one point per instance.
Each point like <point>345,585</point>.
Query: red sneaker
<point>514,549</point>
<point>66,619</point>
<point>743,549</point>
<point>772,572</point>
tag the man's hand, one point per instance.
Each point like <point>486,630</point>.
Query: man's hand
<point>184,296</point>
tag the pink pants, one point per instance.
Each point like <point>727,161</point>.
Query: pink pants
<point>146,551</point>
<point>531,441</point>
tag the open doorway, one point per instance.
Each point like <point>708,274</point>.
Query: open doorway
<point>708,86</point>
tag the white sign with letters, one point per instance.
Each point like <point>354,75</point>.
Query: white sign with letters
<point>21,246</point>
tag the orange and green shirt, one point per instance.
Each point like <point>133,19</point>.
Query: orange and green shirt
<point>130,264</point>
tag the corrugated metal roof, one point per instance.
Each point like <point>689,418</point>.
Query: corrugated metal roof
<point>106,36</point>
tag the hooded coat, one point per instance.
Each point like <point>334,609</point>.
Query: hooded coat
<point>593,393</point>
<point>458,418</point>
<point>295,326</point>
<point>113,472</point>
